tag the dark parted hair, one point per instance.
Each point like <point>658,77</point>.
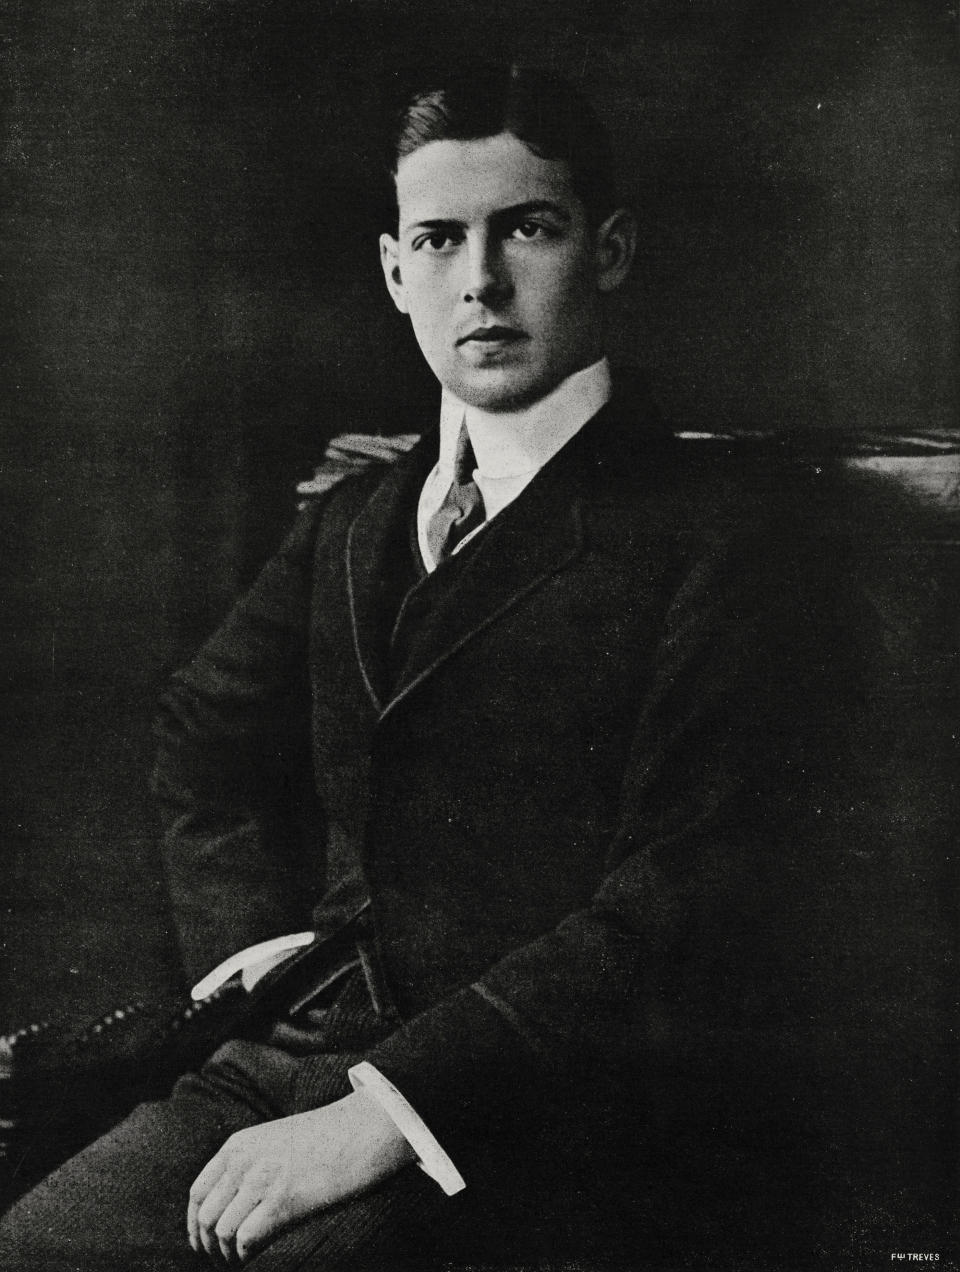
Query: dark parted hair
<point>544,111</point>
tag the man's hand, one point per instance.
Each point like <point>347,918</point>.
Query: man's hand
<point>267,1177</point>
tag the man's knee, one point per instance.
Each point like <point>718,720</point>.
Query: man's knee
<point>121,1202</point>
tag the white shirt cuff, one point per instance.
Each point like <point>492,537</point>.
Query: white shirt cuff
<point>252,963</point>
<point>431,1158</point>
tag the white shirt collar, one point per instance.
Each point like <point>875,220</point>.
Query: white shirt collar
<point>510,447</point>
<point>511,444</point>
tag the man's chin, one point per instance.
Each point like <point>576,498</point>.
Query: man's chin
<point>498,389</point>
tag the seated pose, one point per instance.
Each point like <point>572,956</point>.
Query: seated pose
<point>557,680</point>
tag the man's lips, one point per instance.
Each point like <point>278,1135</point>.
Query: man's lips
<point>493,335</point>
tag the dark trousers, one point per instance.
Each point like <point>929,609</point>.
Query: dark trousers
<point>121,1203</point>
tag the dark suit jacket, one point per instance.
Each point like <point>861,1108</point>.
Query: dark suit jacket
<point>584,795</point>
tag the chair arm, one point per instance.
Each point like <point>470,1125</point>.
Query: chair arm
<point>58,1093</point>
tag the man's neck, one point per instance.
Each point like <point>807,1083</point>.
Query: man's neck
<point>510,444</point>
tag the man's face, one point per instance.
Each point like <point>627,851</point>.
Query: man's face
<point>497,267</point>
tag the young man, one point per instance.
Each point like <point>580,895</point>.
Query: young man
<point>537,668</point>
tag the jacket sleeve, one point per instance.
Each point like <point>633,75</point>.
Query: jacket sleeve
<point>671,959</point>
<point>232,769</point>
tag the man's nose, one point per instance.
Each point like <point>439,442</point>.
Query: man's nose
<point>487,279</point>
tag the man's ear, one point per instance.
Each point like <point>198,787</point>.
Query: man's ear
<point>390,263</point>
<point>616,244</point>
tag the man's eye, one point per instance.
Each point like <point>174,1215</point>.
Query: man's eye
<point>527,230</point>
<point>435,241</point>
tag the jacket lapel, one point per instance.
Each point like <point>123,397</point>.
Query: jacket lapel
<point>377,563</point>
<point>532,540</point>
<point>537,536</point>
<point>529,542</point>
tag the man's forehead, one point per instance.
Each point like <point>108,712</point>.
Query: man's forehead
<point>471,180</point>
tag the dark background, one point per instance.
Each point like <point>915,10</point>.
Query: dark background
<point>192,304</point>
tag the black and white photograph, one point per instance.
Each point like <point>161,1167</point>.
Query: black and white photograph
<point>480,731</point>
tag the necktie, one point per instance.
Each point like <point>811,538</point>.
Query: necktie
<point>462,509</point>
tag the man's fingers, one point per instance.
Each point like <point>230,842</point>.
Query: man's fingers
<point>258,1227</point>
<point>247,1199</point>
<point>208,1177</point>
<point>199,1190</point>
<point>213,1206</point>
<point>271,1175</point>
